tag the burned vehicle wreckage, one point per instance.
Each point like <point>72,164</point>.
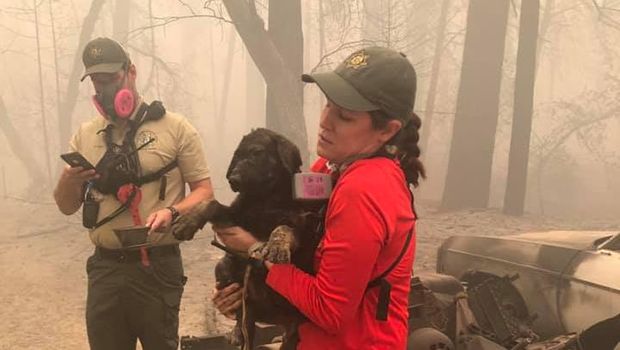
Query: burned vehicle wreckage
<point>551,283</point>
<point>536,291</point>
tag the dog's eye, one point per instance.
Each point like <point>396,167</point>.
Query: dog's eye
<point>256,152</point>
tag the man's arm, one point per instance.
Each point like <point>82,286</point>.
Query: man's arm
<point>68,191</point>
<point>200,191</point>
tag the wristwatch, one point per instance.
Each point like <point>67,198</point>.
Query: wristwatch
<point>175,213</point>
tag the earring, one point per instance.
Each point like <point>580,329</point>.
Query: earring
<point>391,149</point>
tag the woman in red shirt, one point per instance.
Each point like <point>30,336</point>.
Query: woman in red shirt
<point>368,133</point>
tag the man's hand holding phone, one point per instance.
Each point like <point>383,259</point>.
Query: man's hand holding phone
<point>78,171</point>
<point>76,176</point>
<point>76,159</point>
<point>68,193</point>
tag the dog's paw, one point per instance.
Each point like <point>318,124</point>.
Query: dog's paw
<point>278,248</point>
<point>187,225</point>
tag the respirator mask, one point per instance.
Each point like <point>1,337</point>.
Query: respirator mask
<point>115,101</point>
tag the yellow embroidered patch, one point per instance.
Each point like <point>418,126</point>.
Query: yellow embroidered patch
<point>358,60</point>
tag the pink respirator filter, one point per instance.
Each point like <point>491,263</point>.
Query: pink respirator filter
<point>123,104</point>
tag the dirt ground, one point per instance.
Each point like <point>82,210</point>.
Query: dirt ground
<point>43,277</point>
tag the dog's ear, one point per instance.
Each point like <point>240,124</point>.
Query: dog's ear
<point>289,154</point>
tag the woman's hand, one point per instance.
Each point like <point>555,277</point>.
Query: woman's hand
<point>234,237</point>
<point>228,300</point>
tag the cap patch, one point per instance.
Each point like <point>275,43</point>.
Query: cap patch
<point>357,60</point>
<point>96,52</point>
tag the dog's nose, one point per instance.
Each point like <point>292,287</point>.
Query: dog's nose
<point>235,182</point>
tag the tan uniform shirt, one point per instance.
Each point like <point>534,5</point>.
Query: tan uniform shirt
<point>175,138</point>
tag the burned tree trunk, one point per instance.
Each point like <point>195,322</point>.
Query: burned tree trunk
<point>19,148</point>
<point>255,95</point>
<point>46,143</point>
<point>55,49</point>
<point>68,104</point>
<point>434,82</point>
<point>286,33</point>
<point>283,82</point>
<point>122,12</point>
<point>473,137</point>
<point>516,185</point>
<point>230,56</point>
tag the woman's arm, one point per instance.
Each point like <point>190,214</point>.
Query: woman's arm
<point>353,238</point>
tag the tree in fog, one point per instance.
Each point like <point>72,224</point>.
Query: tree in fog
<point>120,26</point>
<point>278,54</point>
<point>19,147</point>
<point>286,33</point>
<point>46,143</point>
<point>72,88</point>
<point>385,22</point>
<point>514,200</point>
<point>429,109</point>
<point>473,136</point>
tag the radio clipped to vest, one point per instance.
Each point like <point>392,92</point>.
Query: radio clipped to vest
<point>90,208</point>
<point>120,166</point>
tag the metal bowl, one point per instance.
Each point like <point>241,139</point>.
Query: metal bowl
<point>132,236</point>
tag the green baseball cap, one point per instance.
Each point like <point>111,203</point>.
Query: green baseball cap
<point>103,55</point>
<point>370,79</point>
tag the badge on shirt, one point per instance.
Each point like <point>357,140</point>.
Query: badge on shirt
<point>147,138</point>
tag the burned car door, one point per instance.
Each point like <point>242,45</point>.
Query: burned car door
<point>542,264</point>
<point>590,287</point>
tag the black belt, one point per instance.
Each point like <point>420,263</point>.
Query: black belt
<point>125,255</point>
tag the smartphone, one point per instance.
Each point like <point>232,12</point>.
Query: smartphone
<point>75,159</point>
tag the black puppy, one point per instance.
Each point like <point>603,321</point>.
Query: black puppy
<point>261,171</point>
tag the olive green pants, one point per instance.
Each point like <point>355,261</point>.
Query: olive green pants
<point>128,301</point>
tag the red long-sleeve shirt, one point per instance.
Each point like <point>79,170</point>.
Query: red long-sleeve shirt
<point>367,221</point>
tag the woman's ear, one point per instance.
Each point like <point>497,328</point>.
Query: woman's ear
<point>391,128</point>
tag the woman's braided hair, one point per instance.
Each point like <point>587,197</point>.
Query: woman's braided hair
<point>404,144</point>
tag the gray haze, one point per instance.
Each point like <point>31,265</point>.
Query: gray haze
<point>190,56</point>
<point>234,65</point>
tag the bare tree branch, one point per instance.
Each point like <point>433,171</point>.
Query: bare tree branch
<point>167,20</point>
<point>159,61</point>
<point>187,6</point>
<point>343,46</point>
<point>609,9</point>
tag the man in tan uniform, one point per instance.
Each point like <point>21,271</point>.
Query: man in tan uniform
<point>144,157</point>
